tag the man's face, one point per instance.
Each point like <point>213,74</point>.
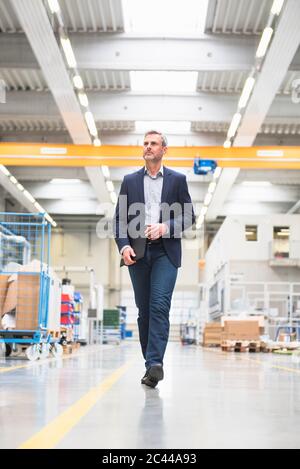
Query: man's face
<point>153,148</point>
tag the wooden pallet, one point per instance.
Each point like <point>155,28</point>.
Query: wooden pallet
<point>280,346</point>
<point>71,347</point>
<point>54,334</point>
<point>211,345</point>
<point>241,346</point>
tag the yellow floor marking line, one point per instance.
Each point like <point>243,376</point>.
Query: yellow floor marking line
<point>45,361</point>
<point>279,367</point>
<point>52,433</point>
<point>284,368</point>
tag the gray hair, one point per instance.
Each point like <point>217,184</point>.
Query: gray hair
<point>163,137</point>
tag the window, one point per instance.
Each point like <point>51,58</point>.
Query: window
<point>281,241</point>
<point>251,232</point>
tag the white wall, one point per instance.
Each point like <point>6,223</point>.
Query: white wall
<point>230,242</point>
<point>73,249</point>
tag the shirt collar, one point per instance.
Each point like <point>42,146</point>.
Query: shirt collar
<point>160,172</point>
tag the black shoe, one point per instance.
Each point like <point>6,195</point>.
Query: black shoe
<point>154,374</point>
<point>144,377</point>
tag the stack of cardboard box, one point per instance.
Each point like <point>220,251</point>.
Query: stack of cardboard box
<point>212,334</point>
<point>233,328</point>
<point>242,328</point>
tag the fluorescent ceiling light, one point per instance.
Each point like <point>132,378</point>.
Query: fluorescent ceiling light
<point>54,6</point>
<point>78,83</point>
<point>256,183</point>
<point>167,127</point>
<point>113,197</point>
<point>207,199</point>
<point>89,118</point>
<point>29,196</point>
<point>217,172</point>
<point>165,17</point>
<point>277,6</point>
<point>234,124</point>
<point>203,211</point>
<point>199,222</point>
<point>264,42</point>
<point>105,171</point>
<point>110,186</point>
<point>13,180</point>
<point>83,99</point>
<point>64,181</point>
<point>97,142</point>
<point>4,170</point>
<point>211,187</point>
<point>39,207</point>
<point>50,220</point>
<point>20,187</point>
<point>164,82</point>
<point>227,144</point>
<point>282,233</point>
<point>247,90</point>
<point>66,45</point>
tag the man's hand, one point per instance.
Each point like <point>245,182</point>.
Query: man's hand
<point>156,230</point>
<point>128,255</point>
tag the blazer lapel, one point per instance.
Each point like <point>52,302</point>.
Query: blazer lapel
<point>166,184</point>
<point>140,185</point>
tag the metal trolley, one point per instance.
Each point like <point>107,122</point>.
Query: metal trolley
<point>24,285</point>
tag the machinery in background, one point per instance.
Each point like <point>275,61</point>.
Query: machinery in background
<point>252,268</point>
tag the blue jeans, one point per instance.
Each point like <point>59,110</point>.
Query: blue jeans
<point>153,279</point>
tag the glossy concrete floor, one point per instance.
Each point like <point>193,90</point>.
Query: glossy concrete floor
<point>94,399</point>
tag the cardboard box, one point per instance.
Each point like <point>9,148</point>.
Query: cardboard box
<point>213,325</point>
<point>212,333</point>
<point>27,311</point>
<point>3,292</point>
<point>241,330</point>
<point>10,302</point>
<point>260,319</point>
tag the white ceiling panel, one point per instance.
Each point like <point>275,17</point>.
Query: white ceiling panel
<point>93,15</point>
<point>9,22</point>
<point>221,82</point>
<point>247,17</point>
<point>105,80</point>
<point>23,79</point>
<point>23,124</point>
<point>115,126</point>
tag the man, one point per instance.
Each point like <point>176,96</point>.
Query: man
<point>153,209</point>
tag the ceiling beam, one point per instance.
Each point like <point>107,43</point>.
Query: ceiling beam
<point>115,52</point>
<point>124,52</point>
<point>112,106</point>
<point>282,50</point>
<point>22,154</point>
<point>36,24</point>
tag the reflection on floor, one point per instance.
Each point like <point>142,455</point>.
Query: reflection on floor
<point>208,399</point>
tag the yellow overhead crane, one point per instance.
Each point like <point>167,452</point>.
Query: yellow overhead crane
<point>31,154</point>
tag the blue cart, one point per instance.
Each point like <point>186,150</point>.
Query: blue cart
<point>24,285</point>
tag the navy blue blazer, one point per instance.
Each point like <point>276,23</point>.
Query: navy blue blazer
<point>174,191</point>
